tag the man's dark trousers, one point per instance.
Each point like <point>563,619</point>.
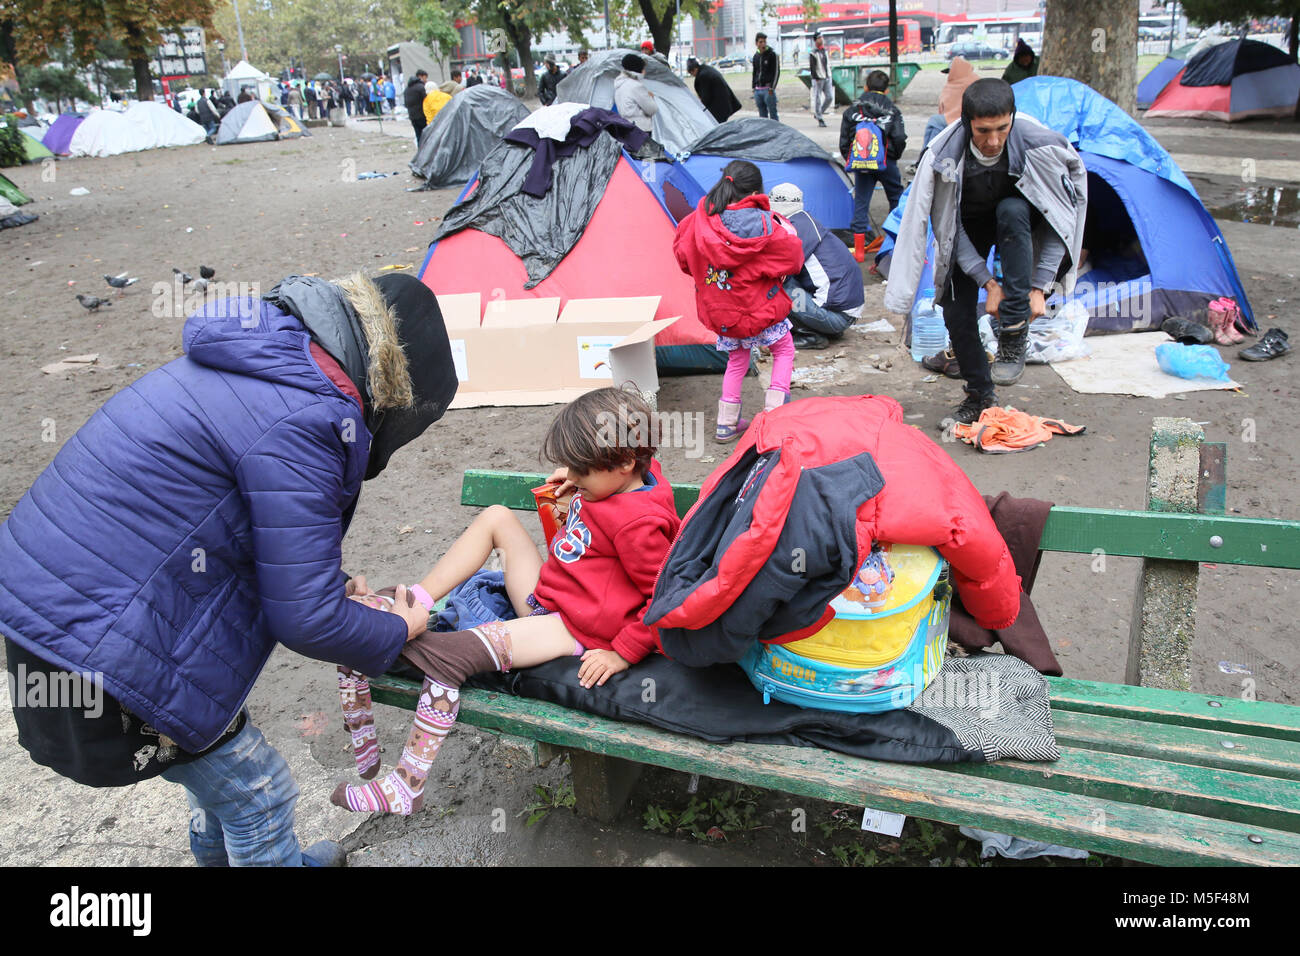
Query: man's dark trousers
<point>1013,235</point>
<point>418,124</point>
<point>865,184</point>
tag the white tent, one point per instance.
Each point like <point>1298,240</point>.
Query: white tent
<point>160,126</point>
<point>245,74</point>
<point>146,125</point>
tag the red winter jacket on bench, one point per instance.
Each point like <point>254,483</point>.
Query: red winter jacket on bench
<point>825,476</point>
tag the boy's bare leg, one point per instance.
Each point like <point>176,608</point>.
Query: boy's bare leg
<point>495,528</point>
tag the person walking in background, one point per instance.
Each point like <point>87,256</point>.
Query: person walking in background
<point>413,98</point>
<point>872,139</point>
<point>713,90</point>
<point>767,71</point>
<point>634,102</point>
<point>377,96</point>
<point>310,94</point>
<point>548,84</point>
<point>348,94</point>
<point>1024,64</point>
<point>823,90</point>
<point>390,94</point>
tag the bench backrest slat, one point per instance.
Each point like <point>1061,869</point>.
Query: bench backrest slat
<point>1257,542</point>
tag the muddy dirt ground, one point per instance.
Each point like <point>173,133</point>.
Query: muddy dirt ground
<point>262,211</point>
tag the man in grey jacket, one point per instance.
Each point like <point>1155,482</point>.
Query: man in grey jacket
<point>996,178</point>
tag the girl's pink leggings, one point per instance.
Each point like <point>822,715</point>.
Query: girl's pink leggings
<point>738,364</point>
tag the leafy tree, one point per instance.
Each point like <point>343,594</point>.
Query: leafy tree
<point>1209,12</point>
<point>524,19</point>
<point>434,24</point>
<point>58,83</point>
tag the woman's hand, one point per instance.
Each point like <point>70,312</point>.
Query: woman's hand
<point>599,666</point>
<point>357,587</point>
<point>412,611</point>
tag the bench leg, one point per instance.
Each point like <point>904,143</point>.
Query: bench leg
<point>601,785</point>
<point>1164,613</point>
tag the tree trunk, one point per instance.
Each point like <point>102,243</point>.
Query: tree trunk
<point>522,38</point>
<point>137,53</point>
<point>1293,37</point>
<point>661,28</point>
<point>9,53</point>
<point>1094,43</point>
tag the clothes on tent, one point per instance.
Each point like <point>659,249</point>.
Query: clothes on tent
<point>584,127</point>
<point>463,133</point>
<point>728,576</point>
<point>1020,521</point>
<point>1001,431</point>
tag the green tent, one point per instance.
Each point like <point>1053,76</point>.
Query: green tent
<point>11,192</point>
<point>36,150</point>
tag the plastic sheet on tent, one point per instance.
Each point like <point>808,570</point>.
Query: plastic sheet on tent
<point>58,137</point>
<point>681,118</point>
<point>463,133</point>
<point>163,127</point>
<point>143,126</point>
<point>623,248</point>
<point>782,155</point>
<point>1135,192</point>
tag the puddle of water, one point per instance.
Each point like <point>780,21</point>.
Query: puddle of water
<point>1264,205</point>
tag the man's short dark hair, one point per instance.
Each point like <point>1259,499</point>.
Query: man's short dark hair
<point>987,97</point>
<point>877,81</point>
<point>420,73</point>
<point>760,36</point>
<point>455,74</point>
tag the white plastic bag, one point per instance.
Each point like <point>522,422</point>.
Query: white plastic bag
<point>1052,338</point>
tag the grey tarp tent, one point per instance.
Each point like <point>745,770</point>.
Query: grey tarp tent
<point>682,118</point>
<point>463,132</point>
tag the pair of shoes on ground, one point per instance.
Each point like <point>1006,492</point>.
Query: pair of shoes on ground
<point>1224,317</point>
<point>1271,344</point>
<point>1187,331</point>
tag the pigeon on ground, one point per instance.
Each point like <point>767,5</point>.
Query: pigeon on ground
<point>120,282</point>
<point>199,285</point>
<point>207,272</point>
<point>186,278</point>
<point>92,302</point>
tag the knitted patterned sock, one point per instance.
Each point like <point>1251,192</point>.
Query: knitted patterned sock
<point>359,721</point>
<point>402,791</point>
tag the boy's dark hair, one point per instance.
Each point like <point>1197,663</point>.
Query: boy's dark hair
<point>455,74</point>
<point>603,430</point>
<point>760,36</point>
<point>987,97</point>
<point>739,179</point>
<point>877,81</point>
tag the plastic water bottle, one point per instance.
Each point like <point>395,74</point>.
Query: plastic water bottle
<point>929,334</point>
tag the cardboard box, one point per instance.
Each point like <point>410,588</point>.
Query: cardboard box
<point>522,353</point>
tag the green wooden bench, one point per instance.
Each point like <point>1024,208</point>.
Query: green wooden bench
<point>1146,773</point>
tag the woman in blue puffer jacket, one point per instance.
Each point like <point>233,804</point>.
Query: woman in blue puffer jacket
<point>196,521</point>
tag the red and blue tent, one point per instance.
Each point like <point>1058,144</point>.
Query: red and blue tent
<point>1231,81</point>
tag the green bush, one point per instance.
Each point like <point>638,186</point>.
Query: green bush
<point>13,152</point>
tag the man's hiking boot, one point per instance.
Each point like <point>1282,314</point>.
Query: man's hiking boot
<point>1187,331</point>
<point>969,410</point>
<point>1009,364</point>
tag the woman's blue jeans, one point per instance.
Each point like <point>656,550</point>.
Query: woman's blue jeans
<point>241,798</point>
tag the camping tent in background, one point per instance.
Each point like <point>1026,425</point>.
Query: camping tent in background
<point>59,136</point>
<point>601,231</point>
<point>245,74</point>
<point>463,132</point>
<point>1231,81</point>
<point>11,197</point>
<point>681,119</point>
<point>783,155</point>
<point>12,193</point>
<point>1163,72</point>
<point>1154,251</point>
<point>160,126</point>
<point>35,149</point>
<point>146,125</point>
<point>256,122</point>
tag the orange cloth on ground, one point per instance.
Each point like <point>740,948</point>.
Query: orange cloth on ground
<point>1000,431</point>
<point>960,75</point>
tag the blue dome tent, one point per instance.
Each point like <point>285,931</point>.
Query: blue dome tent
<point>1153,250</point>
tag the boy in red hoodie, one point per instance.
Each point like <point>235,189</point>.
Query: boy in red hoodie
<point>739,252</point>
<point>586,598</point>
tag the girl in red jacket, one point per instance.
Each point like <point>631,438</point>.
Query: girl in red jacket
<point>738,252</point>
<point>586,598</point>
